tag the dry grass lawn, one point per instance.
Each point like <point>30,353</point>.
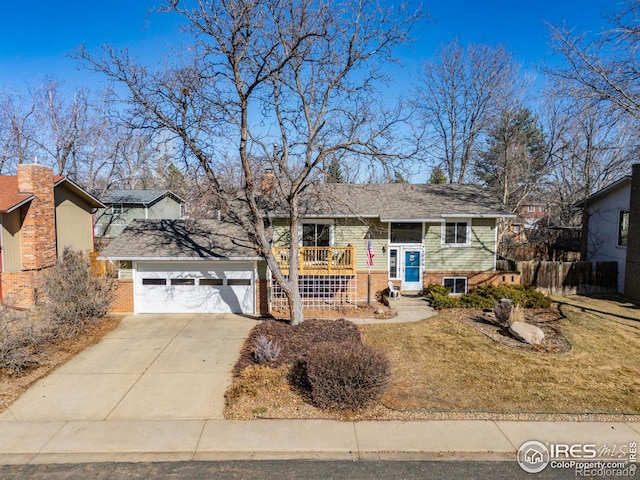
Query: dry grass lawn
<point>442,364</point>
<point>444,368</point>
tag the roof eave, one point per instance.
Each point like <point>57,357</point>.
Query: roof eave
<point>81,191</point>
<point>18,205</point>
<point>136,258</point>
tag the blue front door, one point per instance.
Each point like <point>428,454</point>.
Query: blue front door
<point>411,279</point>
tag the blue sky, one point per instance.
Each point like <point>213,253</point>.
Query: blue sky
<point>36,36</point>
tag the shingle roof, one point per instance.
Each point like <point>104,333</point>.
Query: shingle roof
<point>180,239</point>
<point>400,201</point>
<point>9,196</point>
<point>141,197</point>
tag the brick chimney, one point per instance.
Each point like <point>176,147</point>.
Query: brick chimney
<point>632,273</point>
<point>38,232</point>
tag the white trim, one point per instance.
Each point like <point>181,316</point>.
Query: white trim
<point>495,246</point>
<point>411,220</point>
<point>317,221</point>
<point>443,232</point>
<point>180,259</point>
<point>478,215</point>
<point>19,204</point>
<point>466,283</point>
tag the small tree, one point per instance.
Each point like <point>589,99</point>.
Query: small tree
<point>73,295</point>
<point>438,177</point>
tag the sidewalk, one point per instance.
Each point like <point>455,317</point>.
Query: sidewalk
<point>171,440</point>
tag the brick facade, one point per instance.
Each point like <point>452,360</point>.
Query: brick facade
<point>473,278</point>
<point>123,297</point>
<point>379,281</point>
<point>632,275</point>
<point>262,297</point>
<point>37,237</point>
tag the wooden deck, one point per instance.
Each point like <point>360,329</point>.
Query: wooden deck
<point>320,260</point>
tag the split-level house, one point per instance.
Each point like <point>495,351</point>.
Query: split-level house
<point>354,240</point>
<point>124,206</point>
<point>40,215</point>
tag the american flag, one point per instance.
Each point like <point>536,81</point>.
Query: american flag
<point>370,254</point>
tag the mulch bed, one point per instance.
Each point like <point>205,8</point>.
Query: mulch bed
<point>294,340</point>
<point>547,319</point>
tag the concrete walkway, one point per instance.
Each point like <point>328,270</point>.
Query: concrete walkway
<point>153,390</point>
<point>164,440</point>
<point>410,308</point>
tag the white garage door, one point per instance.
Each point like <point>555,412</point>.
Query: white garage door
<point>194,287</point>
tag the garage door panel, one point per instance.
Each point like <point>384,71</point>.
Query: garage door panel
<point>205,288</point>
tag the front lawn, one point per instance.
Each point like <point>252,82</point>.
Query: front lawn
<point>443,364</point>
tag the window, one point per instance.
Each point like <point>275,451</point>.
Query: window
<point>316,235</point>
<point>183,281</point>
<point>516,229</point>
<point>211,281</point>
<point>154,281</point>
<point>238,281</point>
<point>455,285</point>
<point>117,209</point>
<point>623,228</point>
<point>531,208</point>
<point>393,263</point>
<point>406,233</point>
<point>456,233</point>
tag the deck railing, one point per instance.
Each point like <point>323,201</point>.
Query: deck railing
<point>319,260</point>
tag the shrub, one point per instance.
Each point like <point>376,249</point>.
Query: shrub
<point>295,340</point>
<point>266,350</point>
<point>73,294</point>
<point>346,376</point>
<point>486,296</point>
<point>20,335</point>
<point>439,297</point>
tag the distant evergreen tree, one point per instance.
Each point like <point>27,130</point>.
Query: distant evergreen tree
<point>438,177</point>
<point>399,177</point>
<point>334,172</point>
<point>516,156</point>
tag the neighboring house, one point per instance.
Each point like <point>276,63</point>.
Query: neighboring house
<point>124,206</point>
<point>40,215</point>
<point>606,226</point>
<point>419,234</point>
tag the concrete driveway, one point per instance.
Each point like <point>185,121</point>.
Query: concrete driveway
<point>151,367</point>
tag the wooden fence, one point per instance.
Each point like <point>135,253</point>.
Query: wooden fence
<point>567,278</point>
<point>102,268</point>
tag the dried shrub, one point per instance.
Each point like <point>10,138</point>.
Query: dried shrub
<point>20,336</point>
<point>346,376</point>
<point>73,295</point>
<point>295,340</point>
<point>502,311</point>
<point>266,350</point>
<point>517,314</point>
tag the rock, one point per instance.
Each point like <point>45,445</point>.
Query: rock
<point>378,311</point>
<point>527,333</point>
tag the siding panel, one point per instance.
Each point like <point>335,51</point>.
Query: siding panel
<point>74,222</point>
<point>477,257</point>
<point>11,247</point>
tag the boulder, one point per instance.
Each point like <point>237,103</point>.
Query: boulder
<point>527,333</point>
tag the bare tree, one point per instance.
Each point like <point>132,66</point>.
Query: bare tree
<point>604,69</point>
<point>16,131</point>
<point>589,148</point>
<point>458,94</point>
<point>286,84</point>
